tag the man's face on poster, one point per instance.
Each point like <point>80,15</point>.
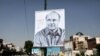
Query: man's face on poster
<point>52,20</point>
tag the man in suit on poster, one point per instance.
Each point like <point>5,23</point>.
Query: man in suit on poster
<point>52,35</point>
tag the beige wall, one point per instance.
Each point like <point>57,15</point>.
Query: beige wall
<point>89,52</point>
<point>97,40</point>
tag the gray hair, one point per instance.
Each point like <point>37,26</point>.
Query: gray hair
<point>53,12</point>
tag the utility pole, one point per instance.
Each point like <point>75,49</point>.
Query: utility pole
<point>45,4</point>
<point>45,8</point>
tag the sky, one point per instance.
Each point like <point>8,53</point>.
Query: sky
<point>17,18</point>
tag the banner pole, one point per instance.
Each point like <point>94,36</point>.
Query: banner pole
<point>45,4</point>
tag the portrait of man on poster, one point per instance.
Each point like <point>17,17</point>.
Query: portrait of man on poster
<point>52,34</point>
